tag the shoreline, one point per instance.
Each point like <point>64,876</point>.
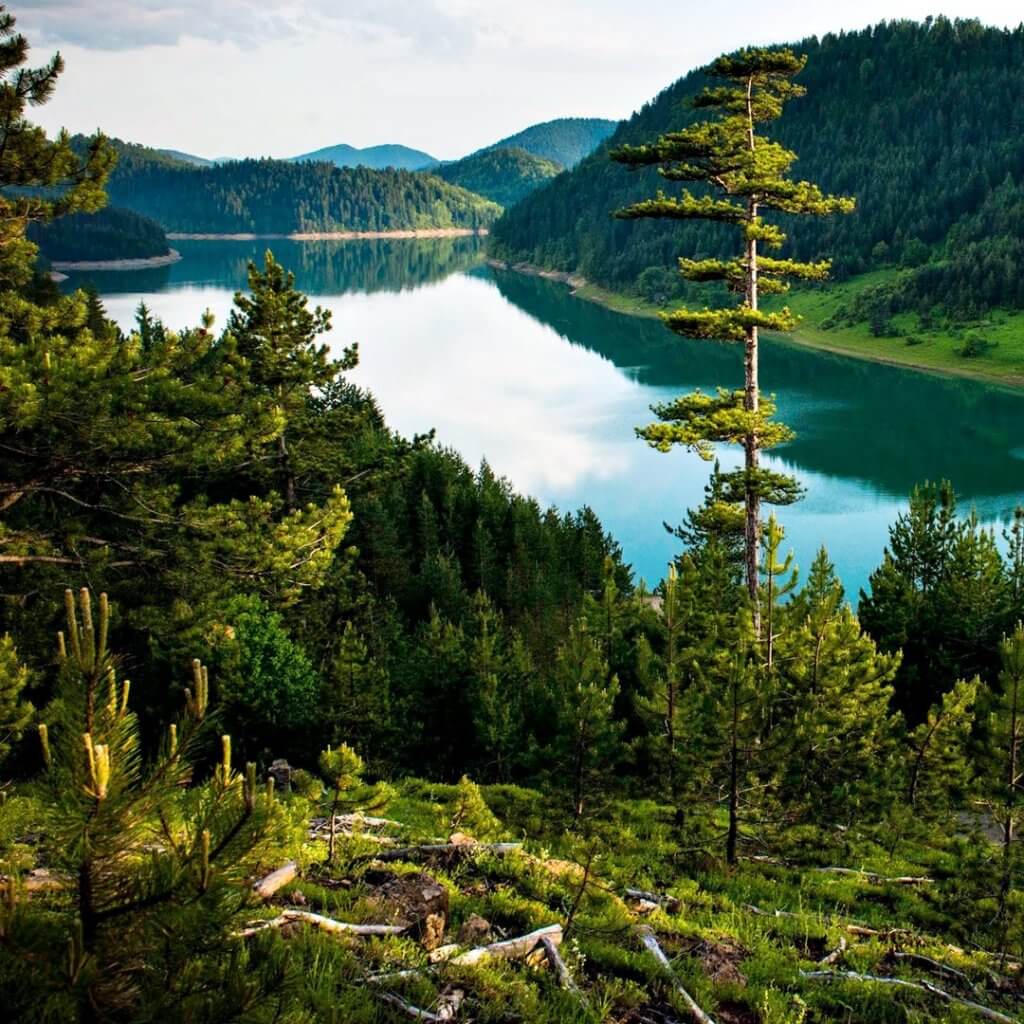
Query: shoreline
<point>142,263</point>
<point>581,288</point>
<point>326,236</point>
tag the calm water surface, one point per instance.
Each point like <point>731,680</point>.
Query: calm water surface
<point>549,388</point>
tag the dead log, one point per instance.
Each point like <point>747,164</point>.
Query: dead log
<point>449,1003</point>
<point>670,903</point>
<point>510,949</point>
<point>647,937</point>
<point>452,850</point>
<point>266,887</point>
<point>919,986</point>
<point>36,881</point>
<point>836,955</point>
<point>326,924</point>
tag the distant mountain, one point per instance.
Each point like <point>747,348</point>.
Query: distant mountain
<point>504,175</point>
<point>565,141</point>
<point>189,158</point>
<point>401,158</point>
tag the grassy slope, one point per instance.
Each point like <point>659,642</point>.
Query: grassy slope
<point>741,965</point>
<point>937,352</point>
<point>938,349</point>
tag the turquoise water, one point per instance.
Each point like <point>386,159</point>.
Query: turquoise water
<point>549,389</point>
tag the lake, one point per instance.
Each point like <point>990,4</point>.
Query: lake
<point>548,389</point>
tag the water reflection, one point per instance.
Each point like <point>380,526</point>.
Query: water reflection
<point>883,425</point>
<point>548,389</point>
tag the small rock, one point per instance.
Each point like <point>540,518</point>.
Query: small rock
<point>432,931</point>
<point>475,931</point>
<point>281,772</point>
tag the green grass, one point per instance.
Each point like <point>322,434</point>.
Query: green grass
<point>936,350</point>
<point>742,965</point>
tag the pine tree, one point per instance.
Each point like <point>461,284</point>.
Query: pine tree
<point>780,579</point>
<point>940,596</point>
<point>834,733</point>
<point>15,711</point>
<point>39,178</point>
<point>1015,564</point>
<point>497,707</point>
<point>151,865</point>
<point>749,173</point>
<point>1007,756</point>
<point>275,333</point>
<point>938,758</point>
<point>588,732</point>
<point>358,697</point>
<point>342,768</point>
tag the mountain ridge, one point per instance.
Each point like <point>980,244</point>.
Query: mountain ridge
<point>394,155</point>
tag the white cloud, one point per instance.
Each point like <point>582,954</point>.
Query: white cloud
<point>236,77</point>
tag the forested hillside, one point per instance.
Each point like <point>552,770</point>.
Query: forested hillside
<point>503,175</point>
<point>303,720</point>
<point>274,196</point>
<point>564,141</point>
<point>920,122</point>
<point>110,234</point>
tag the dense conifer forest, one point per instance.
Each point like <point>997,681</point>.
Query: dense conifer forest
<point>503,175</point>
<point>278,197</point>
<point>914,119</point>
<point>110,234</point>
<point>304,720</point>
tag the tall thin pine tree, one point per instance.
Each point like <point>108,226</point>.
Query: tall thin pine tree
<point>749,173</point>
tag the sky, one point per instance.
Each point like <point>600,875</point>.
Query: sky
<point>250,78</point>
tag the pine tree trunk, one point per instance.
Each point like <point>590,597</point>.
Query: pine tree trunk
<point>1008,820</point>
<point>751,448</point>
<point>751,396</point>
<point>732,836</point>
<point>333,833</point>
<point>290,493</point>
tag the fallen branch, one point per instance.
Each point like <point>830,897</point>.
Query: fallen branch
<point>508,949</point>
<point>443,849</point>
<point>928,964</point>
<point>413,1011</point>
<point>326,924</point>
<point>768,913</point>
<point>919,986</point>
<point>878,879</point>
<point>889,934</point>
<point>649,940</point>
<point>565,979</point>
<point>836,955</point>
<point>266,887</point>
